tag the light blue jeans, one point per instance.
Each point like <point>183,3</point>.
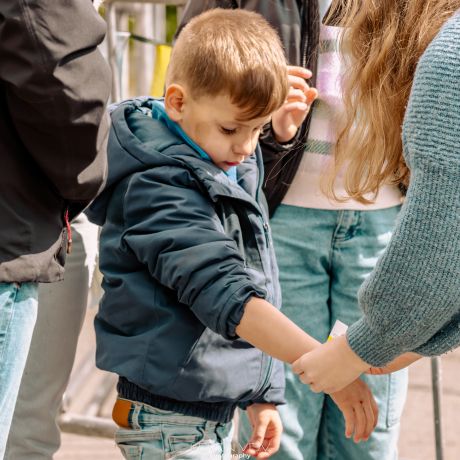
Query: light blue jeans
<point>34,433</point>
<point>324,256</point>
<point>157,434</point>
<point>18,313</point>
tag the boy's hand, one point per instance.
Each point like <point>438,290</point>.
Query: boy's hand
<point>266,430</point>
<point>330,367</point>
<point>287,119</point>
<point>398,363</point>
<point>359,409</point>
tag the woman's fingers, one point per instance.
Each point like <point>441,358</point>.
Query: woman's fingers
<point>298,71</point>
<point>298,83</point>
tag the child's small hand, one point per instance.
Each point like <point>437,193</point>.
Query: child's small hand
<point>398,363</point>
<point>266,430</point>
<point>287,119</point>
<point>330,367</point>
<point>359,410</point>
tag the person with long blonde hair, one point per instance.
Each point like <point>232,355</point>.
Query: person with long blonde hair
<point>405,71</point>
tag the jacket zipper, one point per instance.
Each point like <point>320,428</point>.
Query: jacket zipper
<point>266,232</point>
<point>266,378</point>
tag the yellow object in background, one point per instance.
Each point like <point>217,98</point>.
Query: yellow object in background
<point>163,54</point>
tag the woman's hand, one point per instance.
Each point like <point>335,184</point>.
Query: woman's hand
<point>330,367</point>
<point>288,118</point>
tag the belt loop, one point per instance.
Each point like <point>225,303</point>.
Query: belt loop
<point>209,429</point>
<point>135,415</point>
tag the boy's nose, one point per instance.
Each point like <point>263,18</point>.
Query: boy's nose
<point>245,148</point>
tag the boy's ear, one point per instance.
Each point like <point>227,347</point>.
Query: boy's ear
<point>175,98</point>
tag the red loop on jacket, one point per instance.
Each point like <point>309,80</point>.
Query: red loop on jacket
<point>69,231</point>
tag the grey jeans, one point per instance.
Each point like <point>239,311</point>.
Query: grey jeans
<point>34,433</point>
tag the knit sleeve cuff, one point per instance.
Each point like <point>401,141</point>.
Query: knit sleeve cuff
<point>369,346</point>
<point>445,340</point>
<point>268,139</point>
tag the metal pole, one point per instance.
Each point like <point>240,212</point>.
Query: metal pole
<point>436,381</point>
<point>112,49</point>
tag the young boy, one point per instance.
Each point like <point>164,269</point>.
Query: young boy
<point>190,277</point>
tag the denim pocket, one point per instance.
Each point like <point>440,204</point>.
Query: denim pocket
<point>179,445</point>
<point>192,447</point>
<point>397,392</point>
<point>131,452</point>
<point>139,444</point>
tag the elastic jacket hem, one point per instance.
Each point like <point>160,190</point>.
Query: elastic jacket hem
<point>221,412</point>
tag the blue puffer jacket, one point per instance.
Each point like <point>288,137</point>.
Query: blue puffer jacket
<point>182,250</point>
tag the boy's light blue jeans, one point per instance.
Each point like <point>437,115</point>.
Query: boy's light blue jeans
<point>324,256</point>
<point>18,313</point>
<point>163,435</point>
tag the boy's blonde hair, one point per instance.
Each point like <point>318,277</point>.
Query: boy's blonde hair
<point>231,52</point>
<point>385,39</point>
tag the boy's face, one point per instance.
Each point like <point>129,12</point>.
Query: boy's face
<point>212,123</point>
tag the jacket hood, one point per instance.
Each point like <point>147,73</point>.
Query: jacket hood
<point>138,141</point>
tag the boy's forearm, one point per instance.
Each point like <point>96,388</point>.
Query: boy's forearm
<point>268,329</point>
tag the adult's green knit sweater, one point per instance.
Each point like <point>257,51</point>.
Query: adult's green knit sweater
<point>412,298</point>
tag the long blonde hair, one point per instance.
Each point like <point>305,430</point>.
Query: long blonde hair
<point>384,40</point>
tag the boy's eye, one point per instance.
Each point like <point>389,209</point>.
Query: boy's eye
<point>226,131</point>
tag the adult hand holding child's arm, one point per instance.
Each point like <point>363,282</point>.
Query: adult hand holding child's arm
<point>330,367</point>
<point>278,336</point>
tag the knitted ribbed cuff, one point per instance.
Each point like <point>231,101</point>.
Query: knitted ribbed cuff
<point>370,347</point>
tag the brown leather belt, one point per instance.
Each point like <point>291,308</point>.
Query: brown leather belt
<point>120,413</point>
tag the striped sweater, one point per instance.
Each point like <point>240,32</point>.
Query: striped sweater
<point>412,299</point>
<point>328,112</point>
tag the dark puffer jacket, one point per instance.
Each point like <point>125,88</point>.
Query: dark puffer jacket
<point>183,248</point>
<point>54,86</point>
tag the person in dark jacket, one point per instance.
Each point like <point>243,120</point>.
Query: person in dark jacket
<point>325,248</point>
<point>53,129</point>
<point>190,278</point>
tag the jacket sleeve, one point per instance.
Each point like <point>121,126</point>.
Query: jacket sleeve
<point>174,230</point>
<point>57,85</point>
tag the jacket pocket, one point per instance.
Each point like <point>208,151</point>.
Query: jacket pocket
<point>217,369</point>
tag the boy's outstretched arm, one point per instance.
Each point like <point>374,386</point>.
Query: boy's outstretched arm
<point>268,329</point>
<point>265,327</point>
